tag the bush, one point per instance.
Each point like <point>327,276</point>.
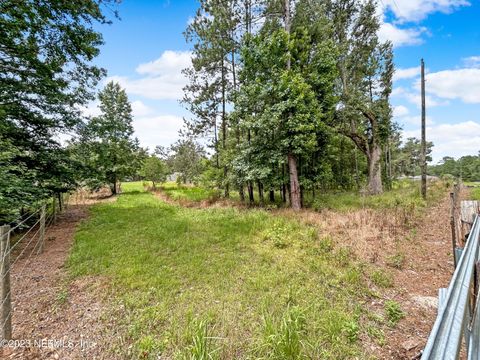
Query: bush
<point>393,312</point>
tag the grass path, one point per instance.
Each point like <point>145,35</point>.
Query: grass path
<point>225,283</point>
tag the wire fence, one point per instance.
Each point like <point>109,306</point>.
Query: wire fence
<point>20,241</point>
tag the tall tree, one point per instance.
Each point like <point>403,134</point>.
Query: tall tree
<point>106,144</point>
<point>213,73</point>
<point>283,102</point>
<point>45,74</point>
<point>365,67</point>
<point>185,158</point>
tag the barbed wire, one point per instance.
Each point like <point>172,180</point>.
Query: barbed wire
<point>21,239</point>
<point>48,222</point>
<point>23,221</point>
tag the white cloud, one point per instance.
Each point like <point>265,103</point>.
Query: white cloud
<point>463,84</point>
<point>451,139</point>
<point>471,61</point>
<point>408,11</point>
<point>162,78</point>
<point>140,109</point>
<point>400,110</point>
<point>157,130</point>
<point>400,37</point>
<point>413,96</point>
<point>91,109</point>
<point>407,73</point>
<point>415,120</point>
<point>169,61</point>
<point>417,10</point>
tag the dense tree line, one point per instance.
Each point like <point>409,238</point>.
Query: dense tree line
<point>46,48</point>
<point>466,168</point>
<point>294,94</point>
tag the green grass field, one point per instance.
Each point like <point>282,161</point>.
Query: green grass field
<point>189,193</point>
<point>220,283</point>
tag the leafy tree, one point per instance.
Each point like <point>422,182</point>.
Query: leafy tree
<point>365,67</point>
<point>45,74</point>
<point>286,95</point>
<point>106,145</point>
<point>466,168</point>
<point>154,170</point>
<point>408,160</point>
<point>213,72</point>
<point>186,158</point>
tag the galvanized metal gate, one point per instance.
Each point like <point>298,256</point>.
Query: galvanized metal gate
<point>458,322</point>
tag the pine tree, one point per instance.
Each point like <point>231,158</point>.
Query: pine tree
<point>365,67</point>
<point>106,144</point>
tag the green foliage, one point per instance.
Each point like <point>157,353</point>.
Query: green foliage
<point>187,159</point>
<point>154,170</point>
<point>476,194</point>
<point>381,278</point>
<point>202,346</point>
<point>284,340</point>
<point>408,160</point>
<point>394,312</point>
<point>467,167</point>
<point>190,193</point>
<point>46,74</point>
<point>105,145</point>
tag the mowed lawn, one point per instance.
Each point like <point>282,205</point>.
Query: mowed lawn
<point>219,283</point>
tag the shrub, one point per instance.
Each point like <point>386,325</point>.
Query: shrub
<point>393,312</point>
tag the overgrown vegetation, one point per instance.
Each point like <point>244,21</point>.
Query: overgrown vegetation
<point>217,283</point>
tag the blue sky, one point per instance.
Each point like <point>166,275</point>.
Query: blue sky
<point>145,51</point>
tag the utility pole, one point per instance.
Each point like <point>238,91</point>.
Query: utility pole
<point>424,143</point>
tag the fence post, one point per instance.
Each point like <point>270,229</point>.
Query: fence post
<point>54,211</point>
<point>6,308</point>
<point>452,225</point>
<point>42,229</point>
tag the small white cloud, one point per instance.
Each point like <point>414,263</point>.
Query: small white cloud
<point>169,61</point>
<point>157,130</point>
<point>417,10</point>
<point>413,96</point>
<point>400,37</point>
<point>92,109</point>
<point>400,110</point>
<point>451,139</point>
<point>162,78</point>
<point>407,73</point>
<point>463,84</point>
<point>140,109</point>
<point>471,61</point>
<point>414,120</point>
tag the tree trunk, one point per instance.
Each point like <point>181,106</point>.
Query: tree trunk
<point>114,186</point>
<point>295,201</point>
<point>250,192</point>
<point>374,170</point>
<point>272,195</point>
<point>260,192</point>
<point>224,132</point>
<point>241,192</point>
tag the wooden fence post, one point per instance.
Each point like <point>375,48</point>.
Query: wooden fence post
<point>453,202</point>
<point>54,210</point>
<point>42,229</point>
<point>6,308</point>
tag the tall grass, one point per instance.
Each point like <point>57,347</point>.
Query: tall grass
<point>219,282</point>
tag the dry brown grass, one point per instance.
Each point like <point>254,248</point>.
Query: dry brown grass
<point>369,234</point>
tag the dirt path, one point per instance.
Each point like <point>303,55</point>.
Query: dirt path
<point>429,266</point>
<point>52,318</point>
